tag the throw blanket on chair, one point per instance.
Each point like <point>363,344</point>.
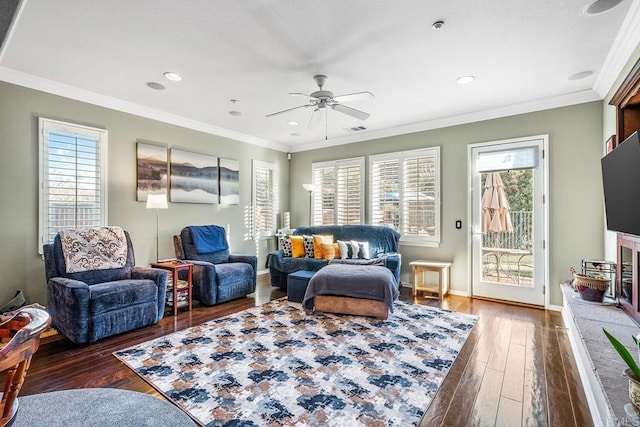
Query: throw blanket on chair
<point>208,238</point>
<point>98,248</point>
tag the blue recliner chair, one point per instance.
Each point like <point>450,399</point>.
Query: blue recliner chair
<point>86,306</point>
<point>217,275</point>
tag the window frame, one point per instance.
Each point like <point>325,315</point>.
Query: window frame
<point>402,157</point>
<point>336,165</point>
<point>256,165</point>
<point>101,135</point>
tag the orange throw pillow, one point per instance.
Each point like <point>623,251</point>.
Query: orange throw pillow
<point>318,245</point>
<point>297,247</point>
<point>329,251</point>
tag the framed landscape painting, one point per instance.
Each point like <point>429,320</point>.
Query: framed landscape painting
<point>194,177</point>
<point>229,182</point>
<point>151,170</point>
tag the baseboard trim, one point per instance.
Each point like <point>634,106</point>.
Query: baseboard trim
<point>262,272</point>
<point>459,293</point>
<point>555,308</point>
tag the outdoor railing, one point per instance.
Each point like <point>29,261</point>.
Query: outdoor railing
<point>520,238</point>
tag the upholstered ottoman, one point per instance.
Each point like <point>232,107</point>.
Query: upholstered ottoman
<point>297,284</point>
<point>366,290</point>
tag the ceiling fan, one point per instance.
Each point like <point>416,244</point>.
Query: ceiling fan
<point>322,99</point>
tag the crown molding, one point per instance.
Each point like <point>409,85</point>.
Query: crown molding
<point>38,83</point>
<point>565,100</point>
<point>623,46</point>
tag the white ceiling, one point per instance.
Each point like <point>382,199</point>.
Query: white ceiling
<point>521,52</point>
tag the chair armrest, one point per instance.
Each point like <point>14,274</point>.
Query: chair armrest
<point>68,305</point>
<point>204,281</point>
<point>158,276</point>
<point>393,262</point>
<point>248,259</point>
<point>274,259</point>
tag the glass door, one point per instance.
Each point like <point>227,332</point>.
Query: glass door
<point>507,186</point>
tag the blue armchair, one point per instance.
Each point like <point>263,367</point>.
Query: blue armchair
<point>89,305</point>
<point>217,275</point>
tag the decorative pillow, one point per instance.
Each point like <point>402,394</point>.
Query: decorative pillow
<point>360,250</point>
<point>308,246</point>
<point>285,245</point>
<point>328,251</point>
<point>336,250</point>
<point>344,249</point>
<point>297,247</point>
<point>318,245</point>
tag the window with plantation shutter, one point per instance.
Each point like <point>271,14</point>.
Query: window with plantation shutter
<point>72,178</point>
<point>339,192</point>
<point>405,194</point>
<point>265,199</point>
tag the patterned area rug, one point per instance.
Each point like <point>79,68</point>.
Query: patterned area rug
<point>275,365</point>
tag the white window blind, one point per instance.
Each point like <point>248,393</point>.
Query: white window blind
<point>339,192</point>
<point>405,194</point>
<point>420,196</point>
<point>72,177</point>
<point>265,199</point>
<point>385,191</point>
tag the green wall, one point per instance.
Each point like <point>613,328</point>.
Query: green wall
<point>575,190</point>
<point>20,264</point>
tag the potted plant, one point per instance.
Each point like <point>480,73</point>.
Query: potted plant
<point>633,370</point>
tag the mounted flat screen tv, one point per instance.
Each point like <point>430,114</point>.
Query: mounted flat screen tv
<point>621,182</point>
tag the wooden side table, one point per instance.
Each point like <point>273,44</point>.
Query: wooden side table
<point>181,290</point>
<point>419,267</point>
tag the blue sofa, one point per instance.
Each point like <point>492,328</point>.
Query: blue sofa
<point>89,305</point>
<point>383,244</point>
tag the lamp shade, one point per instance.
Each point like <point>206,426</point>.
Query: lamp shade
<point>157,201</point>
<point>309,187</point>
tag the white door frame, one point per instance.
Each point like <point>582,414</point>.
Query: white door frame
<point>545,208</point>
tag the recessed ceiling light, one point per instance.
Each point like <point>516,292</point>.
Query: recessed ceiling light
<point>437,25</point>
<point>294,134</point>
<point>580,75</point>
<point>292,123</point>
<point>600,6</point>
<point>156,86</point>
<point>235,113</point>
<point>465,79</point>
<point>174,77</point>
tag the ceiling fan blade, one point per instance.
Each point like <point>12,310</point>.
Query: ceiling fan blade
<point>351,111</point>
<point>300,94</point>
<point>350,97</point>
<point>316,117</point>
<point>287,110</point>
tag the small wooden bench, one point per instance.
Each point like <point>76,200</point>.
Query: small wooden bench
<point>419,267</point>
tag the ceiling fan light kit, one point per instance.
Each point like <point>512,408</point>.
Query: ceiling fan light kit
<point>321,99</point>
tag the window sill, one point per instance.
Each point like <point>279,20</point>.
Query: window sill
<point>424,244</point>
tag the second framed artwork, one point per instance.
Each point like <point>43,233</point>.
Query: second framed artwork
<point>193,177</point>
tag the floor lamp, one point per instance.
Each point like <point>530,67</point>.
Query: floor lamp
<point>157,202</point>
<point>309,188</point>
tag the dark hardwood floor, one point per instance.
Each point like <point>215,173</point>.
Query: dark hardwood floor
<point>515,369</point>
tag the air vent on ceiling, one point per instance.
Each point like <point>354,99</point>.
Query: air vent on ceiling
<point>356,129</point>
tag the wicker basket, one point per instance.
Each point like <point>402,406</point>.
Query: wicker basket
<point>591,288</point>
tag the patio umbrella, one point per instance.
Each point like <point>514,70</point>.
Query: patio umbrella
<point>495,207</point>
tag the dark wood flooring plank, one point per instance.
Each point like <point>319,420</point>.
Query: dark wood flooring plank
<point>509,413</point>
<point>513,385</point>
<point>460,410</point>
<point>558,397</point>
<point>485,409</point>
<point>579,404</point>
